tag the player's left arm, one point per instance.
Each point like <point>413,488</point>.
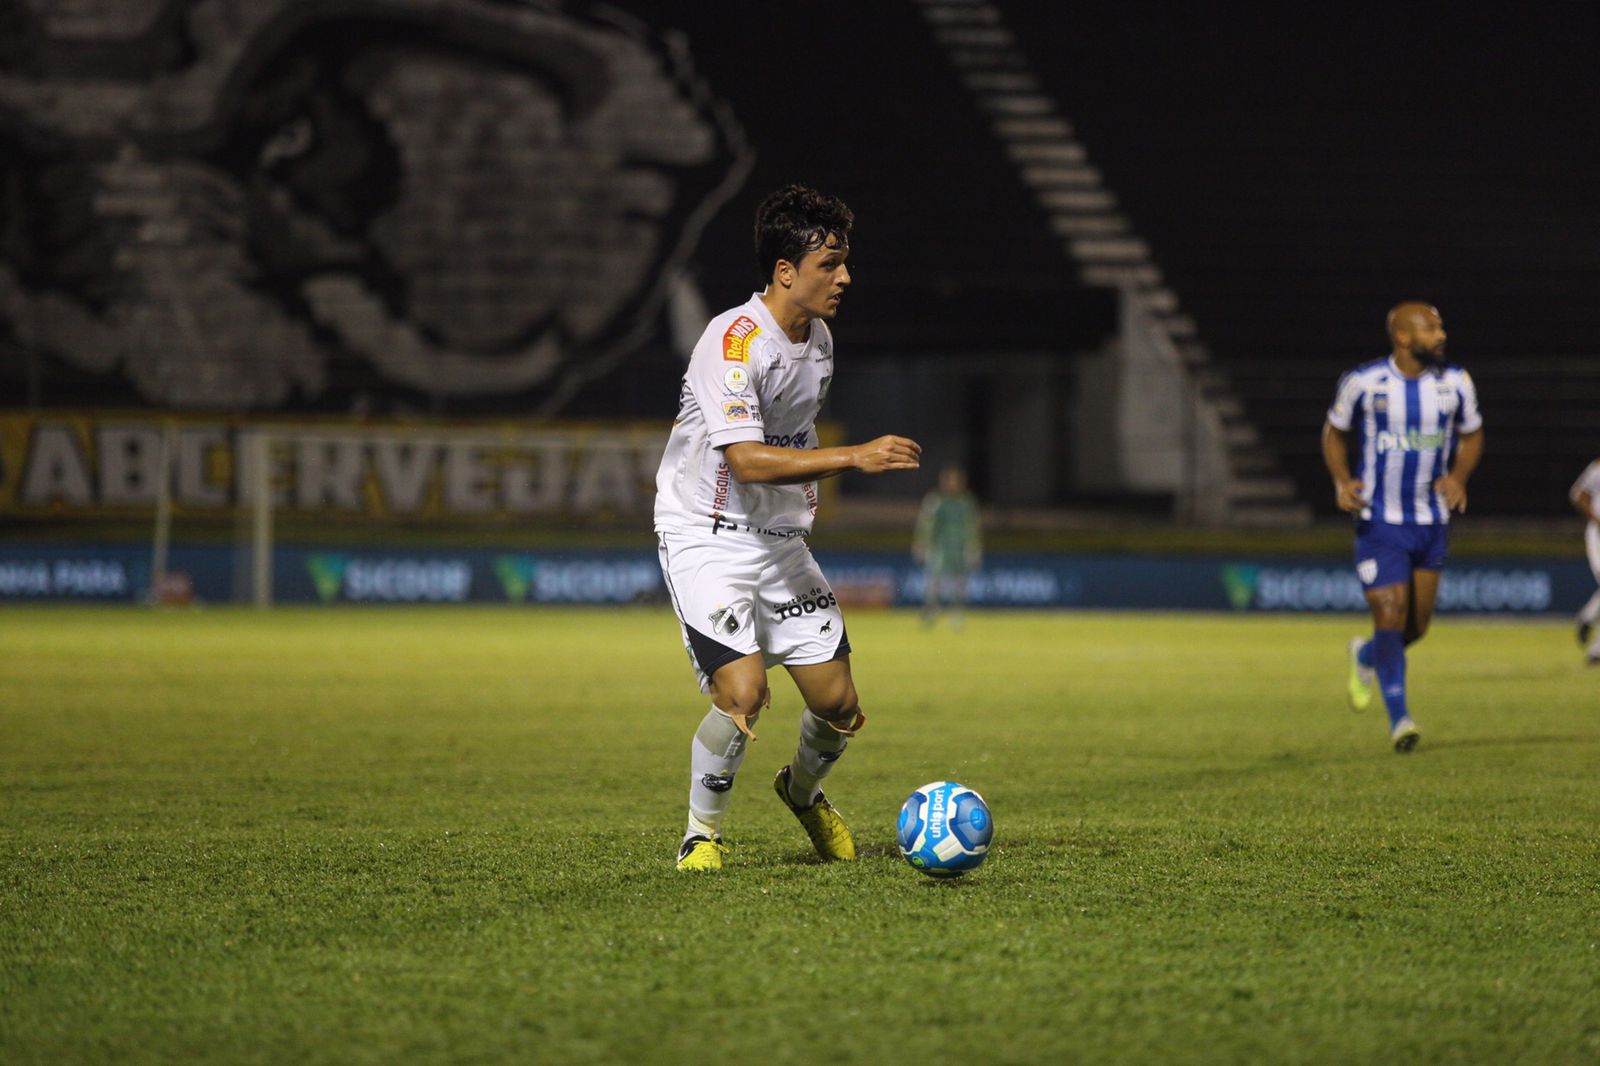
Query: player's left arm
<point>974,534</point>
<point>1469,423</point>
<point>1453,486</point>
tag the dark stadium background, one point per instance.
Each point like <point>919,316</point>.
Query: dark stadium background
<point>1288,174</point>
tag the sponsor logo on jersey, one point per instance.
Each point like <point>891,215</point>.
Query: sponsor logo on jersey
<point>736,342</point>
<point>789,440</point>
<point>1411,440</point>
<point>721,487</point>
<point>736,379</point>
<point>738,411</point>
<point>818,599</point>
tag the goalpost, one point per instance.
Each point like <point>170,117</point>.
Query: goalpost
<point>255,455</point>
<point>161,539</point>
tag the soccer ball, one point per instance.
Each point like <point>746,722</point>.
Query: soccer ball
<point>944,829</point>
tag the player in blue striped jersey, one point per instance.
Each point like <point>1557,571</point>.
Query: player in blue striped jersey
<point>1411,423</point>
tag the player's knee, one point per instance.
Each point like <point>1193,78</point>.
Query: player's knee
<point>1390,613</point>
<point>740,698</point>
<point>840,707</point>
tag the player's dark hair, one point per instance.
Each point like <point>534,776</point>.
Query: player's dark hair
<point>796,220</point>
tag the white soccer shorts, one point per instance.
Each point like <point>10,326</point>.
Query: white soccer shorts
<point>735,595</point>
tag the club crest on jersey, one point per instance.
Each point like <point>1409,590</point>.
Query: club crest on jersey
<point>724,621</point>
<point>738,411</point>
<point>736,342</point>
<point>1367,571</point>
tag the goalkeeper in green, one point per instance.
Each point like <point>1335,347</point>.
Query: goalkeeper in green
<point>947,544</point>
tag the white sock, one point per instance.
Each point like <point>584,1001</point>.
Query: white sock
<point>714,758</point>
<point>820,747</point>
<point>1591,610</point>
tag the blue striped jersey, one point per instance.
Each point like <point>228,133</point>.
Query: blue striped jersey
<point>1406,431</point>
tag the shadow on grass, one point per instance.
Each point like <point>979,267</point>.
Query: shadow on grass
<point>863,851</point>
<point>946,884</point>
<point>1506,742</point>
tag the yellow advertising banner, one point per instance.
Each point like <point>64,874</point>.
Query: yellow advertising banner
<point>104,464</point>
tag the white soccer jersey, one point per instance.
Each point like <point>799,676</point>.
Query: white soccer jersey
<point>1406,435</point>
<point>1589,481</point>
<point>746,382</point>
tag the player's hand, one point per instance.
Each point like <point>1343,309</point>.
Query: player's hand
<point>1347,494</point>
<point>888,453</point>
<point>1454,493</point>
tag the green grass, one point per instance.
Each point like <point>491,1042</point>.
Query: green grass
<point>342,836</point>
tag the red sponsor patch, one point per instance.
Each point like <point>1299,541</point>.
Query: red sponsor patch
<point>736,342</point>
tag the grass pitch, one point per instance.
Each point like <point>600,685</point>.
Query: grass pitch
<point>342,836</point>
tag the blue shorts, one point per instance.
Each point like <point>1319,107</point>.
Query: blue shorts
<point>1387,554</point>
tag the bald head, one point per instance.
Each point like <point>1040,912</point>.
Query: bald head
<point>1416,330</point>
<point>1410,316</point>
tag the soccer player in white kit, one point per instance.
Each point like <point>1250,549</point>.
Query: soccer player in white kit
<point>1585,495</point>
<point>735,497</point>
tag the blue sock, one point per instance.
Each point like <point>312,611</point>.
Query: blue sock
<point>1364,655</point>
<point>1389,658</point>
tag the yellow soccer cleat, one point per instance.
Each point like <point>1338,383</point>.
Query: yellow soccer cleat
<point>701,853</point>
<point>1359,687</point>
<point>828,833</point>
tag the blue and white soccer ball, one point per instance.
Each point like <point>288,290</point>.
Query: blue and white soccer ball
<point>945,829</point>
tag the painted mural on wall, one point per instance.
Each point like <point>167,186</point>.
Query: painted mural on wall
<point>268,204</point>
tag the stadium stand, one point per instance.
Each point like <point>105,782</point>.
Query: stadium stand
<point>1376,161</point>
<point>1011,166</point>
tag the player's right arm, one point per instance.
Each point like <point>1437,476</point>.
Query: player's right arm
<point>754,463</point>
<point>1347,489</point>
